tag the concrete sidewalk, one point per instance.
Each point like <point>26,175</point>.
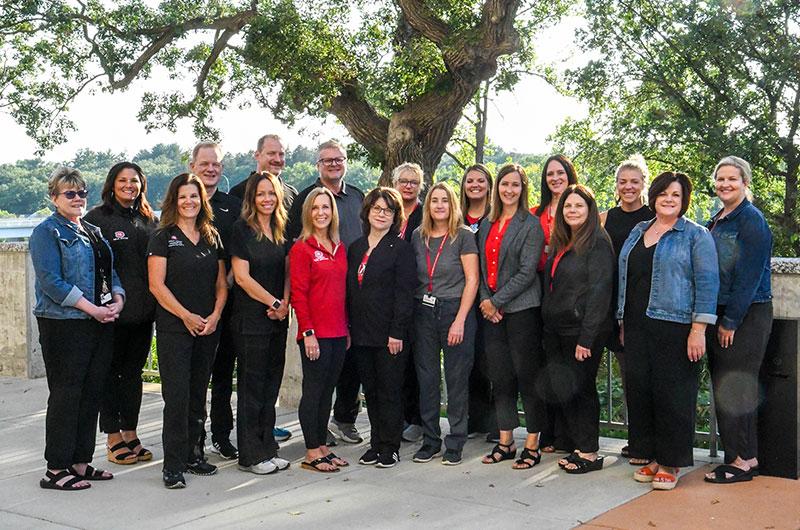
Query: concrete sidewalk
<point>470,495</point>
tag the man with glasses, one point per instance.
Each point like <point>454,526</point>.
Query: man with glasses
<point>332,167</point>
<point>270,156</point>
<point>206,163</point>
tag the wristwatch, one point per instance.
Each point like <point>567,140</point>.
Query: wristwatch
<point>276,304</point>
<point>308,332</point>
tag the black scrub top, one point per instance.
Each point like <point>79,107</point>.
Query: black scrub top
<point>267,267</point>
<point>191,274</point>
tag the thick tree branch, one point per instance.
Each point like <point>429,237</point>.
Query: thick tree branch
<point>423,20</point>
<point>360,118</point>
<point>219,45</point>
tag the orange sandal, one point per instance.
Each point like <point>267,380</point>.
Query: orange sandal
<point>644,474</point>
<point>665,481</point>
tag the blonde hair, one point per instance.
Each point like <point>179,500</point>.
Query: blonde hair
<point>308,224</point>
<point>277,221</point>
<point>454,217</point>
<point>496,204</point>
<point>744,170</point>
<point>635,162</point>
<point>410,167</point>
<point>65,177</point>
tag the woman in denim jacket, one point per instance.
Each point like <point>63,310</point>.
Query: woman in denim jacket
<point>78,296</point>
<point>739,340</point>
<point>668,284</point>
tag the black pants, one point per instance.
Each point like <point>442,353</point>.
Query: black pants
<point>410,387</point>
<point>734,375</point>
<point>319,380</point>
<point>122,399</point>
<point>261,362</point>
<point>222,379</point>
<point>482,415</point>
<point>574,388</point>
<point>184,363</point>
<point>345,409</point>
<point>662,391</point>
<point>382,376</point>
<point>76,355</point>
<point>516,360</point>
<point>431,326</point>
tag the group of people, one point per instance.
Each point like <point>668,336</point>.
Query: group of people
<point>515,303</point>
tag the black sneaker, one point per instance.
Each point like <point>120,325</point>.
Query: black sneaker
<point>388,460</point>
<point>451,457</point>
<point>173,479</point>
<point>426,453</point>
<point>225,449</point>
<point>370,458</point>
<point>201,467</point>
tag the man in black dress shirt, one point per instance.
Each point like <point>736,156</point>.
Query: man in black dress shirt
<point>332,167</point>
<point>206,163</point>
<point>270,155</point>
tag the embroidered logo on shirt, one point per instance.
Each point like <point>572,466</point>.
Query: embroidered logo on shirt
<point>119,235</point>
<point>174,242</point>
<point>319,256</point>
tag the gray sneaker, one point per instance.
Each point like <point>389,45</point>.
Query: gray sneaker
<point>346,432</point>
<point>412,433</point>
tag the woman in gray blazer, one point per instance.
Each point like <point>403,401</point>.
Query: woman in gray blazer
<point>510,242</point>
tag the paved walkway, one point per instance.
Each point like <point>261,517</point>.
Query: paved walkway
<point>470,495</point>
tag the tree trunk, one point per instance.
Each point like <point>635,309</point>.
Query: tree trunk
<point>790,221</point>
<point>482,107</point>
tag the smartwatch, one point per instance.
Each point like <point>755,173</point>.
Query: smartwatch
<point>308,332</point>
<point>276,304</point>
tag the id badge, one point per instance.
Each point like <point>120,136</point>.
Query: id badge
<point>547,249</point>
<point>428,300</point>
<point>105,298</point>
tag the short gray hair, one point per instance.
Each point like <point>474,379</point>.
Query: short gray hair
<point>739,163</point>
<point>266,137</point>
<point>408,166</point>
<point>65,177</point>
<point>203,145</point>
<point>331,144</point>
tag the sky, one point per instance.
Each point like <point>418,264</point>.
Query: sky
<point>519,121</point>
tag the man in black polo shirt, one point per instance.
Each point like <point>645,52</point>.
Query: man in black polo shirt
<point>332,167</point>
<point>270,156</point>
<point>206,163</point>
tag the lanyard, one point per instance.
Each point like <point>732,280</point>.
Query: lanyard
<point>403,227</point>
<point>432,268</point>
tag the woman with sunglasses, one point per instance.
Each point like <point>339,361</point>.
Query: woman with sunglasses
<point>78,297</point>
<point>127,221</point>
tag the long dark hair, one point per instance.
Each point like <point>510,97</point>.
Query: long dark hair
<point>585,236</point>
<point>140,203</point>
<point>546,194</point>
<point>204,220</point>
<point>480,168</point>
<point>277,221</point>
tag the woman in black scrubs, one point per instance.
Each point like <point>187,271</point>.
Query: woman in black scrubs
<point>187,277</point>
<point>260,306</point>
<point>127,221</point>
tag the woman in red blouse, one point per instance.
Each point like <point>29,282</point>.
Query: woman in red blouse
<point>509,242</point>
<point>317,271</point>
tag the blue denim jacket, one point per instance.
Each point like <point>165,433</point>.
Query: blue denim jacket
<point>744,245</point>
<point>63,261</point>
<point>685,278</point>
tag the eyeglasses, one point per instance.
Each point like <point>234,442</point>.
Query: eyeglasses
<point>377,210</point>
<point>338,161</point>
<point>71,194</point>
<point>406,182</point>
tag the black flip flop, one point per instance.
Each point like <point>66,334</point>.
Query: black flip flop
<point>314,466</point>
<point>50,482</point>
<point>332,456</point>
<point>737,475</point>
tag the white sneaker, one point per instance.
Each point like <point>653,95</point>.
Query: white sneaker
<point>262,468</point>
<point>280,463</point>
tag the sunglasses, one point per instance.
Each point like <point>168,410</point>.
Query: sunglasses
<point>71,194</point>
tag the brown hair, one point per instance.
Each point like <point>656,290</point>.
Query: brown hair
<point>393,200</point>
<point>464,201</point>
<point>585,236</point>
<point>204,220</point>
<point>547,195</point>
<point>308,224</point>
<point>65,177</point>
<point>496,203</point>
<point>453,221</point>
<point>140,203</point>
<point>277,221</point>
<point>662,182</point>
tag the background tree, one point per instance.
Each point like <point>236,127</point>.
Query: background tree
<point>396,73</point>
<point>688,82</point>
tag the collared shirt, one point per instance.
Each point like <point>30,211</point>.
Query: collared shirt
<point>349,202</point>
<point>227,210</point>
<point>493,243</point>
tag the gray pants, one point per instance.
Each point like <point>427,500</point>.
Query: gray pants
<point>431,326</point>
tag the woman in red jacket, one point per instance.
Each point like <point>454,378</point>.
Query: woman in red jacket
<point>317,271</point>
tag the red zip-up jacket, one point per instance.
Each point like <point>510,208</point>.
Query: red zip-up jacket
<point>318,282</point>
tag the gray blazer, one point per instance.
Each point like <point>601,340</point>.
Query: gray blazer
<point>518,286</point>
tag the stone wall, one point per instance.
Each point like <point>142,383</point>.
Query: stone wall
<point>20,354</point>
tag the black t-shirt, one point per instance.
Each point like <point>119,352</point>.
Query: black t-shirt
<point>267,267</point>
<point>619,224</point>
<point>227,210</point>
<point>191,274</point>
<point>640,274</point>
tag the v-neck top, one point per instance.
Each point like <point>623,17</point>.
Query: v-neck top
<point>640,275</point>
<point>191,274</point>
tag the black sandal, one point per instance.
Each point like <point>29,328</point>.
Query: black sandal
<point>625,452</point>
<point>90,473</point>
<point>50,482</point>
<point>330,458</point>
<point>584,465</point>
<point>314,465</point>
<point>569,459</point>
<point>527,456</point>
<point>123,459</point>
<point>505,454</point>
<point>737,475</point>
<point>142,455</point>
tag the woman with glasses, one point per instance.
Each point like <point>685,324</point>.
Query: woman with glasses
<point>381,277</point>
<point>127,221</point>
<point>78,297</point>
